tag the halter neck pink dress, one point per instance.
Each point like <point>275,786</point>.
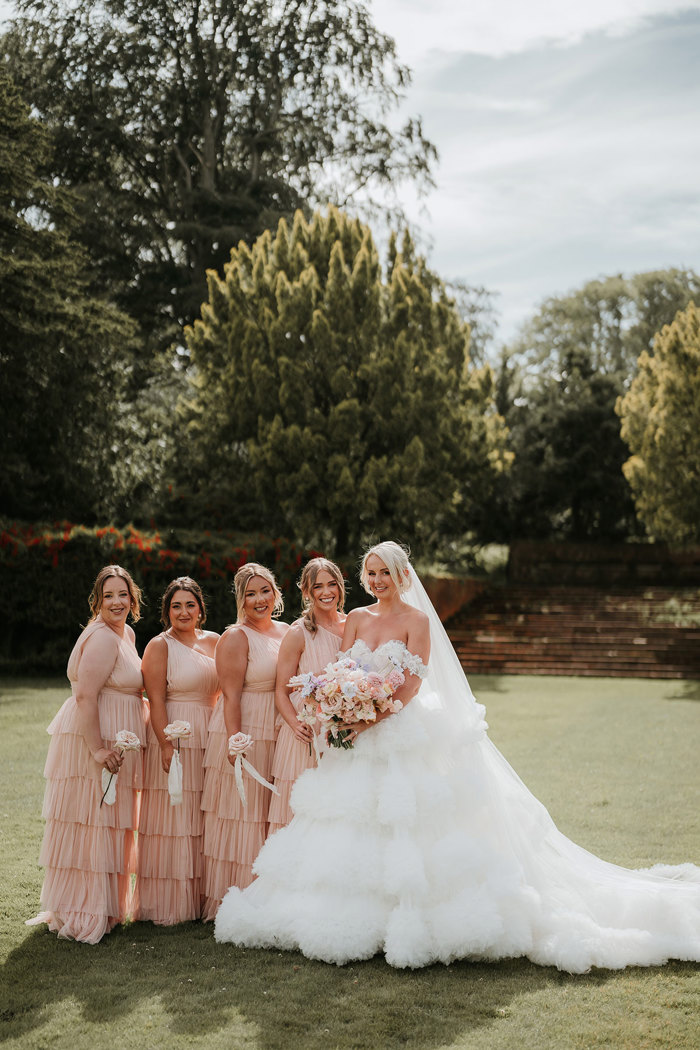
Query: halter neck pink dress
<point>233,833</point>
<point>168,883</point>
<point>292,757</point>
<point>88,850</point>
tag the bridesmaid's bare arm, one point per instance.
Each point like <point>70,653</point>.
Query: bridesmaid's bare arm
<point>155,679</point>
<point>287,665</point>
<point>97,662</point>
<point>231,664</point>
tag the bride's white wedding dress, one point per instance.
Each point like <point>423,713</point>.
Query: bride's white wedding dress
<point>422,843</point>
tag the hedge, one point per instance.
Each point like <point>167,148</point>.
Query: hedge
<point>48,571</point>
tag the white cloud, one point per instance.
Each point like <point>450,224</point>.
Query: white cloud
<point>499,27</point>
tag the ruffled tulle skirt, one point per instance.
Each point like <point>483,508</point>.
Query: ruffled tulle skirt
<point>89,849</point>
<point>169,880</point>
<point>292,758</point>
<point>233,833</point>
<point>423,844</point>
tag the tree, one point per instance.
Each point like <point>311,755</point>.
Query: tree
<point>332,403</point>
<point>61,348</point>
<point>187,125</point>
<point>557,386</point>
<point>660,416</point>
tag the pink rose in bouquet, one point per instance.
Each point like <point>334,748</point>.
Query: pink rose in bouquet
<point>343,694</point>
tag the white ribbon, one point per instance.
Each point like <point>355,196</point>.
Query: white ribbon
<point>175,780</point>
<point>109,787</point>
<point>243,763</point>
<point>238,744</point>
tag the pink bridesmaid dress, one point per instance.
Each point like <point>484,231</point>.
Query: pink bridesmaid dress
<point>233,833</point>
<point>89,850</point>
<point>292,756</point>
<point>169,879</point>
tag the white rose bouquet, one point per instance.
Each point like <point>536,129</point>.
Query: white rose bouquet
<point>124,741</point>
<point>178,730</point>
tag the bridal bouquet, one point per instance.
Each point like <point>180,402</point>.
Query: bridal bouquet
<point>346,692</point>
<point>124,741</point>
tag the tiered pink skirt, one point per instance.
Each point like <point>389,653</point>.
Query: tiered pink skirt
<point>234,834</point>
<point>169,881</point>
<point>291,759</point>
<point>89,850</point>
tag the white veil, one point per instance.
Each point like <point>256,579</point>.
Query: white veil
<point>580,896</point>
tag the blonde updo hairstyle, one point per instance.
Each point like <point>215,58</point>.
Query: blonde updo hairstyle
<point>240,584</point>
<point>395,557</point>
<point>182,583</point>
<point>135,595</point>
<point>306,585</point>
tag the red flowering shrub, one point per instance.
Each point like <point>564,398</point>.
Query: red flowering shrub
<point>48,571</point>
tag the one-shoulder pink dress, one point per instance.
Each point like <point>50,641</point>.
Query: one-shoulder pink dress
<point>292,757</point>
<point>89,850</point>
<point>233,833</point>
<point>168,883</point>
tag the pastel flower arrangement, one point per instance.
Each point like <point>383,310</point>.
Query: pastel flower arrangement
<point>344,693</point>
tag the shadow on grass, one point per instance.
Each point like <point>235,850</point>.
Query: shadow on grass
<point>686,690</point>
<point>204,988</point>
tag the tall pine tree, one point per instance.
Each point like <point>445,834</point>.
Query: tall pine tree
<point>334,402</point>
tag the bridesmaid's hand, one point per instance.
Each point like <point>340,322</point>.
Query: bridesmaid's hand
<point>109,758</point>
<point>302,733</point>
<point>166,756</point>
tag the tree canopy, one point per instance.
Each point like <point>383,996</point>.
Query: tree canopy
<point>187,125</point>
<point>62,349</point>
<point>335,402</point>
<point>557,386</point>
<point>660,416</point>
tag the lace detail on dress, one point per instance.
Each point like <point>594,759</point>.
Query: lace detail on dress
<point>395,652</point>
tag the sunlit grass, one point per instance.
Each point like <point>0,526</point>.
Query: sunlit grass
<point>614,760</point>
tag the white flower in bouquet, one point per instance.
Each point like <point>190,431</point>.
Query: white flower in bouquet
<point>346,693</point>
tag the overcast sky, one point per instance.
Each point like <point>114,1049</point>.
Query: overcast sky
<point>569,138</point>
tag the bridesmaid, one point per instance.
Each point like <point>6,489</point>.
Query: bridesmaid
<point>180,677</point>
<point>246,661</point>
<point>310,644</point>
<point>88,849</point>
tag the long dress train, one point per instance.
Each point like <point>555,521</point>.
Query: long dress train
<point>168,884</point>
<point>89,850</point>
<point>422,843</point>
<point>292,756</point>
<point>233,833</point>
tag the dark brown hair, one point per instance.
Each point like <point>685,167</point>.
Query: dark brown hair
<point>182,583</point>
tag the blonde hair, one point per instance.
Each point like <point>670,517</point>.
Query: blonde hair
<point>395,557</point>
<point>240,584</point>
<point>105,574</point>
<point>306,584</point>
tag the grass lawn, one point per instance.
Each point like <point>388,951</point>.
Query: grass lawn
<point>616,762</point>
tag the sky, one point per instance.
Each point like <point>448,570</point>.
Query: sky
<point>568,134</point>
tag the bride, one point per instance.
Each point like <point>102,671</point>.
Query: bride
<point>422,843</point>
